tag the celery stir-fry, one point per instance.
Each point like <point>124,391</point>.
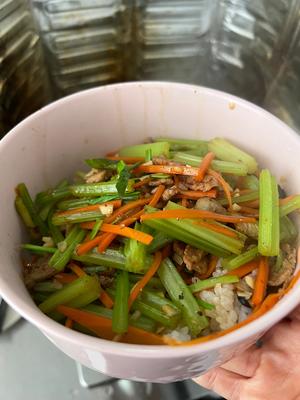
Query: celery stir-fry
<point>169,242</point>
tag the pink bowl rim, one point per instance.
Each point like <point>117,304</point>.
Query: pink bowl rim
<point>57,331</point>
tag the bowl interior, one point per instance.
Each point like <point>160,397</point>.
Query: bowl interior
<point>51,144</point>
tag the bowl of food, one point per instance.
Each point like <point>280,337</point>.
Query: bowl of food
<point>147,227</point>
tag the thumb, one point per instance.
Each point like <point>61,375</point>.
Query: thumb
<point>295,314</point>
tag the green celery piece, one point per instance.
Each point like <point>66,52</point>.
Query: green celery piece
<point>24,213</point>
<point>155,314</point>
<point>250,182</point>
<point>83,202</point>
<point>31,208</point>
<point>181,295</point>
<point>120,310</point>
<point>38,249</point>
<point>142,322</point>
<point>101,163</point>
<point>203,304</point>
<point>268,230</point>
<point>160,302</point>
<point>47,286</point>
<point>290,206</point>
<point>136,252</point>
<point>55,232</point>
<point>51,196</point>
<point>226,167</point>
<point>154,282</point>
<point>236,261</point>
<point>240,199</point>
<point>199,146</point>
<point>76,218</point>
<point>159,241</point>
<point>94,269</point>
<point>288,230</point>
<point>60,259</point>
<point>96,228</point>
<point>98,189</point>
<point>226,151</point>
<point>278,264</point>
<point>69,292</point>
<point>148,155</point>
<point>139,150</point>
<point>212,282</point>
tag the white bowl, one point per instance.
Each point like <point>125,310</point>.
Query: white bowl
<point>52,143</point>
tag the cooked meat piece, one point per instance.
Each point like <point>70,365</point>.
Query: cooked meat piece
<point>178,248</point>
<point>205,185</point>
<point>97,175</point>
<point>161,160</point>
<point>37,271</point>
<point>195,259</point>
<point>208,204</point>
<point>283,276</point>
<point>169,193</point>
<point>248,229</point>
<point>157,182</point>
<point>106,281</point>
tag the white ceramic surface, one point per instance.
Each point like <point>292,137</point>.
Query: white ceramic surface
<point>52,143</point>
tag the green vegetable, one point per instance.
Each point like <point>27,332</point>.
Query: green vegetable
<point>76,218</point>
<point>61,258</point>
<point>51,196</point>
<point>31,208</point>
<point>226,151</point>
<point>278,264</point>
<point>38,249</point>
<point>136,252</point>
<point>156,314</point>
<point>96,228</point>
<point>240,199</point>
<point>159,241</point>
<point>290,205</point>
<point>288,230</point>
<point>75,289</point>
<point>236,261</point>
<point>98,189</point>
<point>102,163</point>
<point>55,232</point>
<point>148,155</point>
<point>124,176</point>
<point>203,304</point>
<point>77,203</point>
<point>268,233</point>
<point>198,146</point>
<point>47,286</point>
<point>139,150</point>
<point>24,213</point>
<point>250,182</point>
<point>226,167</point>
<point>181,295</point>
<point>212,282</point>
<point>120,310</point>
<point>154,282</point>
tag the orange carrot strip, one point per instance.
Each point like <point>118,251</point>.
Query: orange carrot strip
<point>69,323</point>
<point>286,199</point>
<point>195,195</point>
<point>105,299</point>
<point>62,277</point>
<point>87,225</point>
<point>189,213</point>
<point>245,269</point>
<point>168,169</point>
<point>102,327</point>
<point>142,182</point>
<point>224,185</point>
<point>249,210</point>
<point>204,165</point>
<point>260,281</point>
<point>253,203</point>
<point>157,195</point>
<point>127,232</point>
<point>268,303</point>
<point>127,207</point>
<point>211,267</point>
<point>139,286</point>
<point>128,160</point>
<point>217,228</point>
<point>93,207</point>
<point>76,269</point>
<point>89,245</point>
<point>184,202</point>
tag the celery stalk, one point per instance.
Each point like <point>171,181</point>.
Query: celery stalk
<point>98,189</point>
<point>240,199</point>
<point>76,218</point>
<point>290,206</point>
<point>236,261</point>
<point>139,150</point>
<point>135,252</point>
<point>211,282</point>
<point>120,310</point>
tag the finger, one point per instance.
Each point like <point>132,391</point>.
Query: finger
<point>295,314</point>
<point>225,383</point>
<point>245,364</point>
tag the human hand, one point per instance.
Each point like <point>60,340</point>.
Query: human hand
<point>271,372</point>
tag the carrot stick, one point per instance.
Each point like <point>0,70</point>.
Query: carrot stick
<point>89,245</point>
<point>127,207</point>
<point>204,165</point>
<point>224,185</point>
<point>109,237</point>
<point>217,228</point>
<point>139,286</point>
<point>122,230</point>
<point>76,269</point>
<point>189,213</point>
<point>105,299</point>
<point>195,195</point>
<point>94,207</point>
<point>253,203</point>
<point>249,210</point>
<point>157,195</point>
<point>286,199</point>
<point>62,277</point>
<point>127,160</point>
<point>102,327</point>
<point>245,269</point>
<point>69,323</point>
<point>142,182</point>
<point>211,268</point>
<point>168,169</point>
<point>261,281</point>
